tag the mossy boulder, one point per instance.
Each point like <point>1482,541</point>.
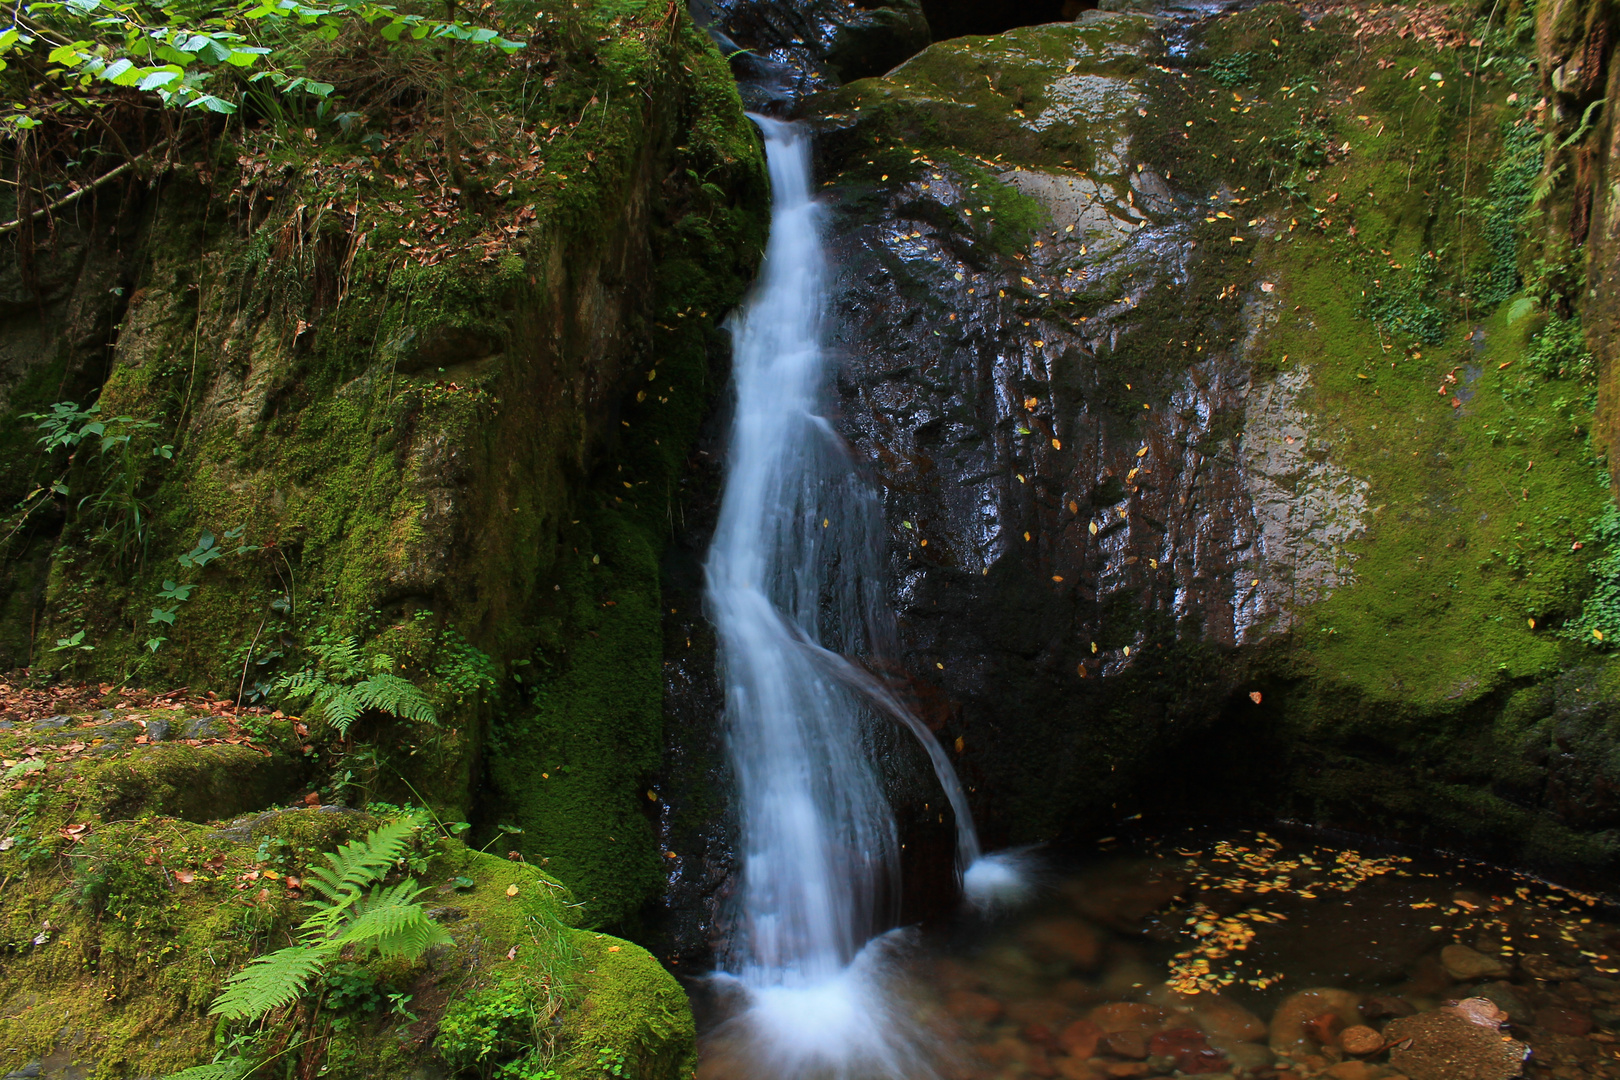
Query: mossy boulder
<point>1144,351</point>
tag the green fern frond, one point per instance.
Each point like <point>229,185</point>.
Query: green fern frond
<point>340,706</point>
<point>390,921</point>
<point>230,1069</point>
<point>382,662</point>
<point>398,696</point>
<point>356,866</point>
<point>269,982</point>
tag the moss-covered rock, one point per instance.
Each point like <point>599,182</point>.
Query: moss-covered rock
<point>1174,438</point>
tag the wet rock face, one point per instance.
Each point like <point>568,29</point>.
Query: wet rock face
<point>801,46</point>
<point>1045,367</point>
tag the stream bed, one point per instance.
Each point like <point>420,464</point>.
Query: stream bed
<point>1252,954</point>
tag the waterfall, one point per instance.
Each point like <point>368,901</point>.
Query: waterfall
<point>794,588</point>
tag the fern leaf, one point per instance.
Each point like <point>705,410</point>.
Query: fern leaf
<point>391,922</point>
<point>341,707</point>
<point>230,1069</point>
<point>269,982</point>
<point>397,696</point>
<point>382,662</point>
<point>354,867</point>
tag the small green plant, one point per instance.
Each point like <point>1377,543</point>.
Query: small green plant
<point>610,1060</point>
<point>342,683</point>
<point>116,513</point>
<point>1231,71</point>
<point>1598,624</point>
<point>502,1030</point>
<point>356,914</point>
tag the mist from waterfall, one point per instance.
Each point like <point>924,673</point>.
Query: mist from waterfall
<point>795,589</point>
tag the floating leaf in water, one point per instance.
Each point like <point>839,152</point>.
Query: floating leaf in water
<point>1093,528</point>
<point>1254,696</point>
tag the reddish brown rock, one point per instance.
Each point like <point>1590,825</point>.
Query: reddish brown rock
<point>1447,1045</point>
<point>1131,1043</point>
<point>1129,1015</point>
<point>1037,1035</point>
<point>1188,1049</point>
<point>1324,1029</point>
<point>967,1005</point>
<point>1288,1024</point>
<point>1039,1064</point>
<point>1124,1070</point>
<point>1075,1068</point>
<point>1563,1021</point>
<point>1360,1040</point>
<point>1081,1038</point>
<point>1353,1070</point>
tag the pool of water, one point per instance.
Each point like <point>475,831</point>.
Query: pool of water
<point>1252,954</point>
<point>1255,955</point>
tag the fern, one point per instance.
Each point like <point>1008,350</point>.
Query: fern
<point>353,867</point>
<point>339,688</point>
<point>231,1068</point>
<point>270,982</point>
<point>354,912</point>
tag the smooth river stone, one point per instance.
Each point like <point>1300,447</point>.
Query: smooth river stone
<point>1466,965</point>
<point>1289,1024</point>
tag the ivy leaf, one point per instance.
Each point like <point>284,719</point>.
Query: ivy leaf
<point>161,616</point>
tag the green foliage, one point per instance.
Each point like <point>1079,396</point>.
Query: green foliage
<point>1501,216</point>
<point>117,515</point>
<point>202,56</point>
<point>501,1030</point>
<point>341,684</point>
<point>356,911</point>
<point>1558,351</point>
<point>1232,70</point>
<point>1599,622</point>
<point>1408,302</point>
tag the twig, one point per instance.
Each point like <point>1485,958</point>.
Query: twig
<point>108,177</point>
<point>241,686</point>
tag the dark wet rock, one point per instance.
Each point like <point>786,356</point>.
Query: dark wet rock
<point>1446,1045</point>
<point>117,729</point>
<point>1508,998</point>
<point>799,46</point>
<point>1563,1021</point>
<point>1467,965</point>
<point>52,723</point>
<point>1186,1049</point>
<point>201,727</point>
<point>157,730</point>
<point>1545,968</point>
<point>1386,1007</point>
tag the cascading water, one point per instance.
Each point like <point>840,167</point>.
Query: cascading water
<point>794,588</point>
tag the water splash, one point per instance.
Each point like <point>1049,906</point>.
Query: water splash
<point>794,589</point>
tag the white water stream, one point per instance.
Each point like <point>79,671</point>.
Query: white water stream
<point>795,588</point>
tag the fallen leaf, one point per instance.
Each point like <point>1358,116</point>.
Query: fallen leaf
<point>185,877</point>
<point>511,890</point>
<point>1254,696</point>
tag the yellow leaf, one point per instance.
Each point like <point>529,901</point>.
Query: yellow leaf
<point>1532,623</point>
<point>1093,528</point>
<point>959,744</point>
<point>511,890</point>
<point>1142,452</point>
